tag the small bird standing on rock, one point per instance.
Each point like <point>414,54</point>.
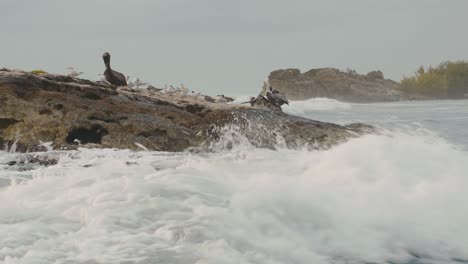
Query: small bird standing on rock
<point>139,83</point>
<point>73,73</point>
<point>113,77</point>
<point>102,78</point>
<point>130,84</point>
<point>252,101</point>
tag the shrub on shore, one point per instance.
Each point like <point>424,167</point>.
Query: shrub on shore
<point>447,80</point>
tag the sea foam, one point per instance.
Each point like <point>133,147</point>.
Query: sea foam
<point>374,199</point>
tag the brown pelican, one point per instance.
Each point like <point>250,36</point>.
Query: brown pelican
<point>115,78</point>
<point>276,98</point>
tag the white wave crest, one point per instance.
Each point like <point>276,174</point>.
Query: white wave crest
<point>315,104</point>
<point>374,199</point>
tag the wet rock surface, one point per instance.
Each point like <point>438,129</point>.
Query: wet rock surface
<point>72,112</point>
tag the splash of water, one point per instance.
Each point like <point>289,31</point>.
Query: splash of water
<point>374,199</point>
<point>13,146</point>
<point>305,107</point>
<point>49,146</point>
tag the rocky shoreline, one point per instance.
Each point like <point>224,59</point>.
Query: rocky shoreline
<point>340,85</point>
<point>69,112</point>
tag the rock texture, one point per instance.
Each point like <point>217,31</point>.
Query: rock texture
<point>333,83</point>
<point>71,112</point>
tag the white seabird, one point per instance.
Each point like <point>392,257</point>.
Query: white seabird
<point>73,73</point>
<point>139,83</point>
<point>130,84</point>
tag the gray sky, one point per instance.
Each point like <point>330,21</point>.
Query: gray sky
<point>218,46</point>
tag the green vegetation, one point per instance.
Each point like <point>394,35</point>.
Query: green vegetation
<point>448,80</point>
<point>39,72</point>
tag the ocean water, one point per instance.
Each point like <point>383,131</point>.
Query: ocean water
<point>396,197</point>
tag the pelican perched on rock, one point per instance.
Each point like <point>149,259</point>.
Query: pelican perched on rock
<point>275,97</point>
<point>73,73</point>
<point>113,77</point>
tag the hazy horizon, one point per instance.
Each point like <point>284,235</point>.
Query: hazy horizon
<point>230,47</point>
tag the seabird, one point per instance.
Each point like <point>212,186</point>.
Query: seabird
<point>169,90</point>
<point>102,78</point>
<point>115,78</point>
<point>275,97</point>
<point>73,73</point>
<point>221,99</point>
<point>130,84</point>
<point>252,101</point>
<point>139,83</point>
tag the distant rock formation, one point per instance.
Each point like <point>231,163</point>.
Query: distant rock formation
<point>333,83</point>
<point>70,112</point>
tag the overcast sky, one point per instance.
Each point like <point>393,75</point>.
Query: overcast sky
<point>229,47</point>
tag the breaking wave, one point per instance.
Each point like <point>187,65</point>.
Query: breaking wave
<point>306,107</point>
<point>395,198</point>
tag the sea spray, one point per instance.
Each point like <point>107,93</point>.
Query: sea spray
<point>373,199</point>
<point>315,104</point>
<point>395,197</point>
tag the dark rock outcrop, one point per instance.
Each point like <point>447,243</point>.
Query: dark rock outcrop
<point>333,83</point>
<point>73,112</point>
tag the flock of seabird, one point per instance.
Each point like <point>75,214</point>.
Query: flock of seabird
<point>118,79</point>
